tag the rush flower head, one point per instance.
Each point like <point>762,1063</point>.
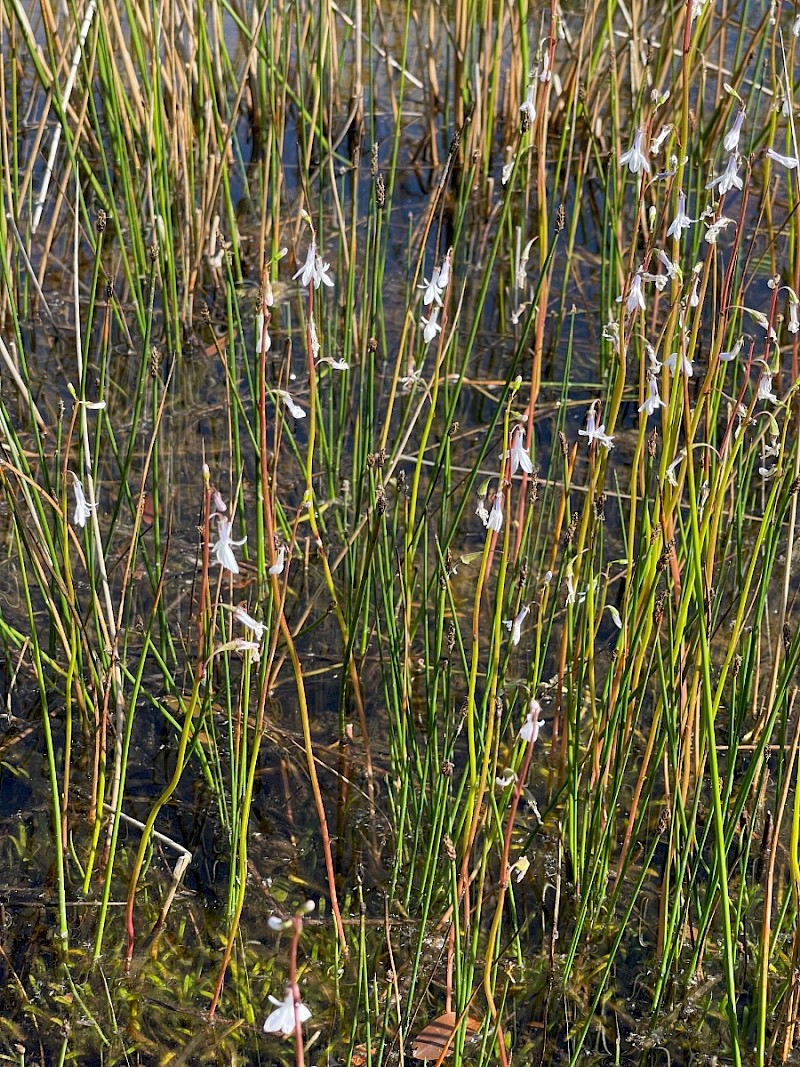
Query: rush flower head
<point>83,508</point>
<point>282,1020</point>
<point>731,140</point>
<point>432,327</point>
<point>653,399</point>
<point>223,549</point>
<point>634,158</point>
<point>729,179</point>
<point>790,162</point>
<point>518,452</point>
<point>515,625</point>
<point>681,221</point>
<point>533,724</point>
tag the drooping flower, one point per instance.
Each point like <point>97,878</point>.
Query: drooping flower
<point>716,228</point>
<point>657,141</point>
<point>495,520</point>
<point>507,778</point>
<point>282,1020</point>
<point>670,471</point>
<point>726,357</point>
<point>515,625</point>
<point>616,618</point>
<point>258,628</point>
<point>765,387</point>
<point>518,453</point>
<point>528,106</point>
<point>794,321</point>
<point>294,409</point>
<point>653,399</point>
<point>671,363</point>
<point>682,221</point>
<point>223,549</point>
<point>731,140</point>
<point>280,561</point>
<point>634,158</point>
<point>432,327</point>
<point>533,724</point>
<point>83,509</point>
<point>263,339</point>
<point>729,179</point>
<point>790,162</point>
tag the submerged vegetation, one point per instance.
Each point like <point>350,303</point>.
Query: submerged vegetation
<point>398,496</point>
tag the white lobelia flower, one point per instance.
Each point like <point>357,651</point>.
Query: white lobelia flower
<point>433,289</point>
<point>280,561</point>
<point>258,628</point>
<point>528,106</point>
<point>634,158</point>
<point>657,141</point>
<point>726,357</point>
<point>671,363</point>
<point>282,1020</point>
<point>731,140</point>
<point>593,432</point>
<point>432,327</point>
<point>653,399</point>
<point>635,296</point>
<point>294,409</point>
<point>495,520</point>
<point>444,273</point>
<point>729,179</point>
<point>716,228</point>
<point>681,221</point>
<point>263,339</point>
<point>83,509</point>
<point>670,471</point>
<point>533,724</point>
<point>515,625</point>
<point>794,321</point>
<point>520,458</point>
<point>314,270</point>
<point>765,387</point>
<point>616,618</point>
<point>790,162</point>
<point>223,549</point>
<point>507,778</point>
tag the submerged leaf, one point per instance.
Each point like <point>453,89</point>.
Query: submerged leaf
<point>429,1042</point>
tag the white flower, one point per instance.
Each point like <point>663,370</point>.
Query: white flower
<point>790,162</point>
<point>294,409</point>
<point>223,549</point>
<point>518,452</point>
<point>794,321</point>
<point>657,141</point>
<point>444,273</point>
<point>481,511</point>
<point>767,472</point>
<point>682,221</point>
<point>653,400</point>
<point>716,228</point>
<point>314,270</point>
<point>726,357</point>
<point>433,289</point>
<point>83,509</point>
<point>694,292</point>
<point>515,625</point>
<point>654,364</point>
<point>432,327</point>
<point>282,1020</point>
<point>670,471</point>
<point>616,618</point>
<point>258,628</point>
<point>686,364</point>
<point>634,158</point>
<point>729,179</point>
<point>528,106</point>
<point>593,432</point>
<point>635,296</point>
<point>278,565</point>
<point>495,520</point>
<point>731,140</point>
<point>765,387</point>
<point>313,338</point>
<point>533,724</point>
<point>263,339</point>
<point>508,778</point>
<point>673,269</point>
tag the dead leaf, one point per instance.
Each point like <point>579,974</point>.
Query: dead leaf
<point>429,1042</point>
